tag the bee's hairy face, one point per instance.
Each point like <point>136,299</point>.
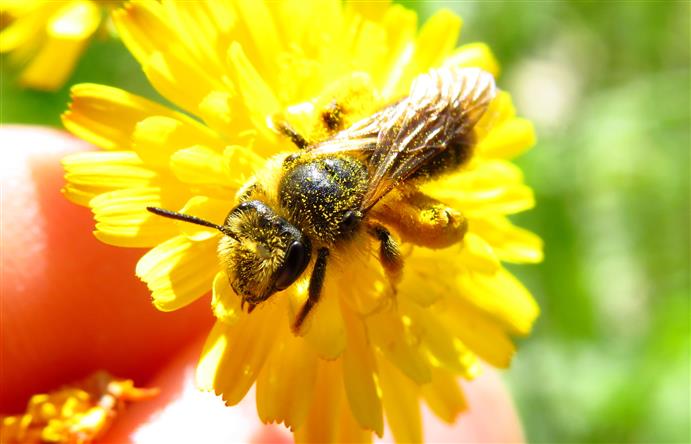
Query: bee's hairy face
<point>266,253</point>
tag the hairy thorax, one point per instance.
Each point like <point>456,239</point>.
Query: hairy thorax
<point>322,193</point>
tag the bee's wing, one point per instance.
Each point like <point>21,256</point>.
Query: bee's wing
<point>443,105</point>
<point>361,137</point>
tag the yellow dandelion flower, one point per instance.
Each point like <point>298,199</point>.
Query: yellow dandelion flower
<point>254,75</point>
<point>78,413</point>
<point>46,38</point>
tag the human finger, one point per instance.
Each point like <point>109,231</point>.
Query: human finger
<point>70,304</point>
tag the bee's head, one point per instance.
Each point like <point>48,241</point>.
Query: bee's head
<point>263,253</point>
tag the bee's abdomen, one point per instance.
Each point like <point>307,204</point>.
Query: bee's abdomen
<point>457,153</point>
<point>318,192</point>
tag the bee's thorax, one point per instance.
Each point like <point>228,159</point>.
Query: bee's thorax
<point>323,195</point>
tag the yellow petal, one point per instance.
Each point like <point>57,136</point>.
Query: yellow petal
<point>483,335</point>
<point>207,208</point>
<point>502,296</point>
<point>213,174</point>
<point>205,24</point>
<point>369,10</point>
<point>502,108</point>
<point>178,271</point>
<point>156,138</point>
<point>507,140</point>
<point>486,189</point>
<point>223,112</point>
<point>263,33</point>
<point>122,218</point>
<point>224,302</point>
<point>359,376</point>
<point>401,404</point>
<point>169,59</point>
<point>477,55</point>
<point>328,401</point>
<point>349,430</point>
<point>215,348</point>
<point>482,174</point>
<point>401,25</point>
<point>91,173</point>
<point>216,108</point>
<point>499,111</point>
<point>67,34</point>
<point>107,116</point>
<point>440,343</point>
<point>444,395</point>
<point>143,28</point>
<point>358,277</point>
<point>370,47</point>
<point>437,38</point>
<point>78,195</point>
<point>324,328</point>
<point>292,20</point>
<point>509,242</point>
<point>420,282</point>
<point>172,74</point>
<point>200,165</point>
<point>259,99</point>
<point>477,254</point>
<point>506,200</point>
<point>234,354</point>
<point>387,333</point>
<point>28,18</point>
<point>286,383</point>
<point>327,37</point>
<point>76,20</point>
<point>242,162</point>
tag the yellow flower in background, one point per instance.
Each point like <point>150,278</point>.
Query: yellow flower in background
<point>364,353</point>
<point>46,38</point>
<point>78,413</point>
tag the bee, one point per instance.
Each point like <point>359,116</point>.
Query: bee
<point>363,178</point>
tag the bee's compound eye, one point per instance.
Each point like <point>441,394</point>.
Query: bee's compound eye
<point>294,264</point>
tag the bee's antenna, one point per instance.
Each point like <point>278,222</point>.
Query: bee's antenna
<point>192,219</point>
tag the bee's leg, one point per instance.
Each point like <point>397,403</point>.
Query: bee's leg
<point>332,117</point>
<point>422,220</point>
<point>250,306</point>
<point>287,130</point>
<point>389,254</point>
<point>315,287</point>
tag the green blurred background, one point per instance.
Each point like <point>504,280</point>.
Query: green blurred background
<point>607,85</point>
